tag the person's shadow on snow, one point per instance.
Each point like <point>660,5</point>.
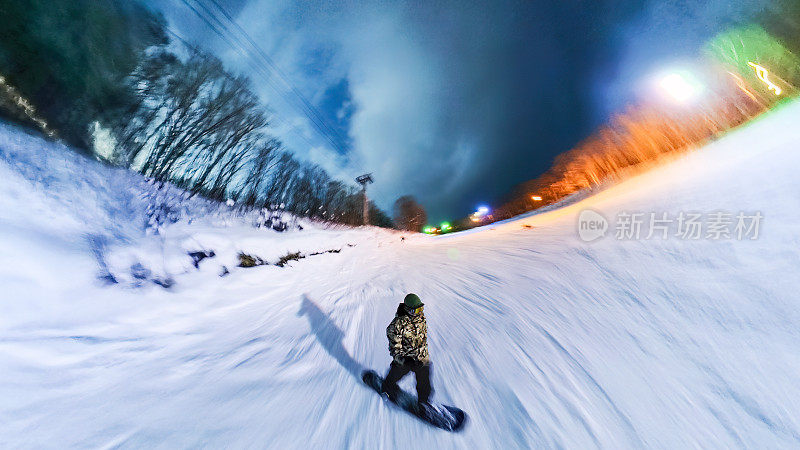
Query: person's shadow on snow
<point>329,336</point>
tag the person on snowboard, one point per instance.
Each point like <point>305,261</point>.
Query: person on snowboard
<point>408,345</point>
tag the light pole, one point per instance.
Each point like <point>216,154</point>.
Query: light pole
<point>363,180</point>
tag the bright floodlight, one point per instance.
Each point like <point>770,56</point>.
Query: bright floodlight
<point>680,86</point>
<point>483,210</point>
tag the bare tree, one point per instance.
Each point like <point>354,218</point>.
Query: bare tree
<point>409,215</point>
<point>263,160</point>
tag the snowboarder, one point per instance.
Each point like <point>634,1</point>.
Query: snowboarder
<point>408,345</point>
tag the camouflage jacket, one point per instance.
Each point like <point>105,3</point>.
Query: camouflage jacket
<point>408,336</point>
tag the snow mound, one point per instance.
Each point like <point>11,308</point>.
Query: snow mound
<point>72,222</point>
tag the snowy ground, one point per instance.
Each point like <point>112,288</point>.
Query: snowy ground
<point>543,339</point>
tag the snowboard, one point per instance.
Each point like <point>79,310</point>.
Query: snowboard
<point>445,417</point>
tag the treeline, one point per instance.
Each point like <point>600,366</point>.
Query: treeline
<point>204,129</point>
<point>69,59</point>
<point>180,117</point>
<point>409,214</point>
<point>646,134</point>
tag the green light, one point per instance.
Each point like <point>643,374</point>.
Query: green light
<point>446,226</point>
<point>742,50</point>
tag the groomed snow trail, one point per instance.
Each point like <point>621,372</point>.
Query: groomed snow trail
<point>544,340</point>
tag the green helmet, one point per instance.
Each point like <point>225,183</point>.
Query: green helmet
<point>412,301</point>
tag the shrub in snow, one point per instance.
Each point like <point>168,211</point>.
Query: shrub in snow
<point>289,257</point>
<point>199,256</point>
<point>246,260</point>
<point>335,250</point>
<point>166,283</point>
<point>140,272</point>
<point>277,220</point>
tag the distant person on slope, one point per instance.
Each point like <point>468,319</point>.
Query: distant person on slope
<point>408,345</point>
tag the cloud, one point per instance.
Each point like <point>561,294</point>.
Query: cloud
<point>444,99</point>
<point>456,101</point>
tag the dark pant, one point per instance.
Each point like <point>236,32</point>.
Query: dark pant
<point>397,371</point>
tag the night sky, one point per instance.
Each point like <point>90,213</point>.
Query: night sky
<point>455,102</point>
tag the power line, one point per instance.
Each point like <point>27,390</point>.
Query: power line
<point>314,111</point>
<point>196,50</point>
<point>264,64</point>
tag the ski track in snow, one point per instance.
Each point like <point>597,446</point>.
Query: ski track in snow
<point>545,341</point>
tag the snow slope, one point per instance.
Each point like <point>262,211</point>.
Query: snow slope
<point>545,340</point>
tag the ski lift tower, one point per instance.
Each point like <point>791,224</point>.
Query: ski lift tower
<point>363,180</point>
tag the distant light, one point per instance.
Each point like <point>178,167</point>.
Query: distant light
<point>763,75</point>
<point>446,226</point>
<point>536,198</point>
<point>680,86</point>
<point>483,210</point>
